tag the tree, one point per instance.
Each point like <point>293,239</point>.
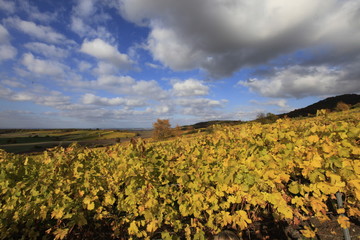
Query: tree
<point>341,106</point>
<point>177,131</point>
<point>162,129</point>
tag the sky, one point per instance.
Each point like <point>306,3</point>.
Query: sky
<point>126,63</point>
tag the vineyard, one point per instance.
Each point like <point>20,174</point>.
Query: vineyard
<point>191,187</point>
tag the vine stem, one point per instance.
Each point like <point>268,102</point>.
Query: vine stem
<point>340,205</point>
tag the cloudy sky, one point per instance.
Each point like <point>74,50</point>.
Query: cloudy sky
<point>125,63</point>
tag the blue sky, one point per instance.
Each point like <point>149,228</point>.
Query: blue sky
<point>125,63</point>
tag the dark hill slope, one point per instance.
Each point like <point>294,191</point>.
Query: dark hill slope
<point>328,103</point>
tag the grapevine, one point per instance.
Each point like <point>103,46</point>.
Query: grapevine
<point>191,187</point>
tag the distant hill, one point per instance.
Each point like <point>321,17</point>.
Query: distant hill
<point>328,103</point>
<point>210,123</point>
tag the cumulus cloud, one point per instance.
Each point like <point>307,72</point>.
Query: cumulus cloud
<point>280,103</point>
<point>85,8</point>
<point>223,36</point>
<point>47,50</point>
<point>40,66</point>
<point>35,14</point>
<point>81,27</point>
<point>41,32</point>
<point>153,65</point>
<point>106,52</point>
<point>149,89</point>
<point>7,51</point>
<point>190,87</point>
<point>103,101</point>
<point>201,107</point>
<point>13,83</point>
<point>7,6</point>
<point>86,18</point>
<point>83,66</point>
<point>301,81</point>
<point>51,99</point>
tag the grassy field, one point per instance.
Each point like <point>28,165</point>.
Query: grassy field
<point>29,141</point>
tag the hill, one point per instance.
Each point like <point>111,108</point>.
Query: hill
<point>210,123</point>
<point>328,103</point>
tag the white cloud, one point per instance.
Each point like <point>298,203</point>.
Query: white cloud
<point>83,29</point>
<point>103,101</point>
<point>35,14</point>
<point>7,6</point>
<point>47,50</point>
<point>106,52</point>
<point>122,85</point>
<point>86,19</point>
<point>167,48</point>
<point>4,35</point>
<point>50,98</point>
<point>199,102</point>
<point>104,69</point>
<point>115,81</point>
<point>41,66</point>
<point>299,81</point>
<point>78,26</point>
<point>13,83</point>
<point>222,36</point>
<point>190,87</point>
<point>85,8</point>
<point>83,66</point>
<point>40,32</point>
<point>280,103</point>
<point>149,89</point>
<point>163,109</point>
<point>152,65</point>
<point>7,51</point>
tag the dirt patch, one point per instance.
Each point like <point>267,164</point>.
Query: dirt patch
<point>271,229</point>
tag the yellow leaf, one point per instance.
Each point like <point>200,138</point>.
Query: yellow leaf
<point>340,210</point>
<point>308,233</point>
<point>313,138</point>
<point>354,211</point>
<point>286,211</point>
<point>327,148</point>
<point>343,221</point>
<point>241,219</point>
<point>294,188</point>
<point>152,226</point>
<point>43,212</point>
<point>60,233</point>
<point>87,200</point>
<point>109,200</point>
<point>133,229</point>
<point>91,206</point>
<point>316,162</point>
<point>57,213</point>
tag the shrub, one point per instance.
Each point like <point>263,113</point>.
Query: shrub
<point>341,106</point>
<point>162,129</point>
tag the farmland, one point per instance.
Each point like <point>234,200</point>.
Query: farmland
<point>33,141</point>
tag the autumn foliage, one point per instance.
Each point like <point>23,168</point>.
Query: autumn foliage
<point>162,129</point>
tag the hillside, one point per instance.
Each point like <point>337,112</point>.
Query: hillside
<point>328,103</point>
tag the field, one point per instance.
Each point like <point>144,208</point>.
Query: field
<point>33,141</point>
<point>263,181</point>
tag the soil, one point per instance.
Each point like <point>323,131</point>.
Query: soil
<point>329,230</point>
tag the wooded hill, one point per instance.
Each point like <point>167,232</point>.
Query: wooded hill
<point>328,103</point>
